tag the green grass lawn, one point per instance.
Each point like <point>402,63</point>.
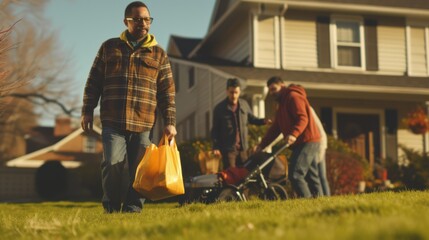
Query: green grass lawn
<point>385,215</point>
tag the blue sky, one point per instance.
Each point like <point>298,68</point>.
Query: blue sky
<point>83,25</point>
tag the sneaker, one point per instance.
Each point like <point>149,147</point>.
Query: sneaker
<point>131,209</point>
<point>110,208</point>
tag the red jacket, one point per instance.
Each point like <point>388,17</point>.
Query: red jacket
<point>293,117</point>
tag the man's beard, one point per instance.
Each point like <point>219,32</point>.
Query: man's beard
<point>276,96</point>
<point>231,101</point>
<point>140,33</point>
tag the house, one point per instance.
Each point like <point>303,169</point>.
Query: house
<point>364,64</point>
<point>67,169</point>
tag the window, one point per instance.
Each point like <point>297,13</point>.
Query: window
<point>180,137</point>
<point>207,121</point>
<point>89,144</point>
<point>418,47</point>
<point>348,43</point>
<point>191,77</point>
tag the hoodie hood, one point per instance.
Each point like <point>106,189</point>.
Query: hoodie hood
<point>293,117</point>
<point>149,41</point>
<point>296,88</point>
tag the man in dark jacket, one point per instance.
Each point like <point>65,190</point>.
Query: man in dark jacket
<point>229,132</point>
<point>295,121</point>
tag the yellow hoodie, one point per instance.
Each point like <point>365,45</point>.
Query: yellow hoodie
<point>149,41</point>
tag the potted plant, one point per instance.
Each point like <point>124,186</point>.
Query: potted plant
<point>417,121</point>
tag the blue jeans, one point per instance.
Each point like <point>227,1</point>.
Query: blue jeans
<point>321,166</point>
<point>303,171</point>
<point>121,147</point>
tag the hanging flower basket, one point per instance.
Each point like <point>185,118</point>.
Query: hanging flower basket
<point>418,129</point>
<point>417,121</point>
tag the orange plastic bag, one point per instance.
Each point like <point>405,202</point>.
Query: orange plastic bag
<point>159,174</point>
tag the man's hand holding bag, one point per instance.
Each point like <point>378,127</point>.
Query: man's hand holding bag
<point>159,174</point>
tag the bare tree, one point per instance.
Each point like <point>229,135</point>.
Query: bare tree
<point>33,72</point>
<point>5,46</point>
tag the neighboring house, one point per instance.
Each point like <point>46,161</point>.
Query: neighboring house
<point>364,64</point>
<point>68,169</point>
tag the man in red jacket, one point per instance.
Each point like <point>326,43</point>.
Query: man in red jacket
<point>295,121</point>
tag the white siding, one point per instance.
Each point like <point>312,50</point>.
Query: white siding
<point>185,98</point>
<point>391,48</point>
<point>410,140</point>
<point>236,46</point>
<point>299,47</point>
<point>265,42</point>
<point>240,52</point>
<point>192,105</point>
<point>203,100</point>
<point>219,88</point>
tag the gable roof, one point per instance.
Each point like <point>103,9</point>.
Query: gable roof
<point>39,137</point>
<point>181,46</point>
<point>30,160</point>
<point>219,9</point>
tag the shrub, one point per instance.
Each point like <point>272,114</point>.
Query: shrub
<point>394,171</point>
<point>188,152</point>
<point>344,168</point>
<point>255,134</point>
<point>344,172</point>
<point>415,175</point>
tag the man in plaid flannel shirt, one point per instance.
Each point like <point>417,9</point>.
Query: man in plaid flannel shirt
<point>131,76</point>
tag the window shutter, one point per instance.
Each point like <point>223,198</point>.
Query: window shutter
<point>326,118</point>
<point>371,50</point>
<point>191,75</point>
<point>418,51</point>
<point>323,42</point>
<point>207,121</point>
<point>391,120</point>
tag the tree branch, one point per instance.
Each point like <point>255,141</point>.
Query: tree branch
<point>34,97</point>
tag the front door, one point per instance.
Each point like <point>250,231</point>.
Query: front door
<point>362,132</point>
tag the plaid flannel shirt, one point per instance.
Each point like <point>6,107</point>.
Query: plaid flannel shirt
<point>132,83</point>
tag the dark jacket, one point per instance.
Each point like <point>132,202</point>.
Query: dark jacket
<point>223,133</point>
<point>293,118</point>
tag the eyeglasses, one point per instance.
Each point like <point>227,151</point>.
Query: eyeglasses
<point>147,20</point>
